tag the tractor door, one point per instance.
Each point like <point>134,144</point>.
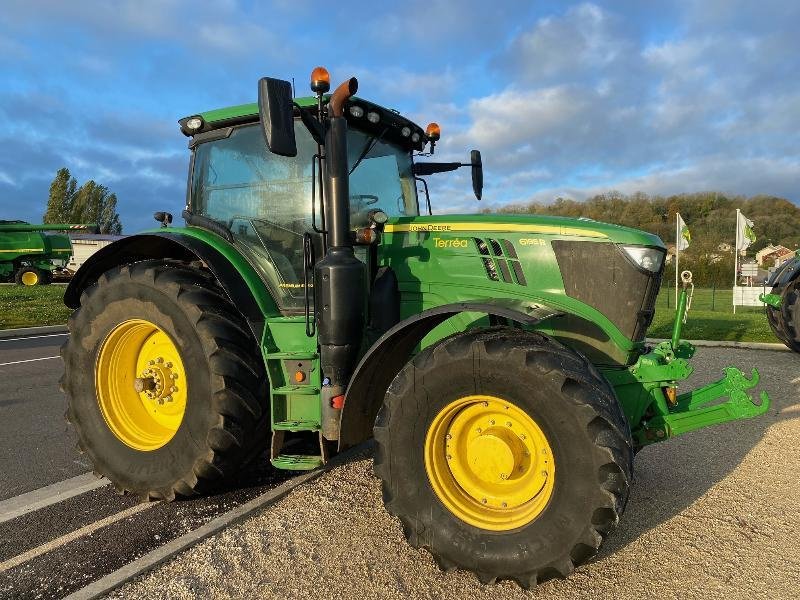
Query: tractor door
<point>265,201</point>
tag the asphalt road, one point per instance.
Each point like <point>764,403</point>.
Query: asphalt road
<point>38,447</point>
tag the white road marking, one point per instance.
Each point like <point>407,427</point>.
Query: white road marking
<point>38,499</point>
<point>73,535</point>
<point>18,362</point>
<point>33,337</point>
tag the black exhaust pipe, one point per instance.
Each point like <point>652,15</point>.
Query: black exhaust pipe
<point>339,278</point>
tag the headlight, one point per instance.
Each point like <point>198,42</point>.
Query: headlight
<point>649,259</point>
<point>405,131</point>
<point>194,123</point>
<point>373,117</point>
<point>356,111</point>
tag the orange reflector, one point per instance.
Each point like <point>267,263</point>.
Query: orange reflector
<point>433,131</point>
<point>366,235</point>
<point>320,80</point>
<point>299,376</point>
<point>337,402</point>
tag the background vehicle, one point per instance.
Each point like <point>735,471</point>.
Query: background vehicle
<point>500,361</point>
<point>782,304</point>
<point>29,256</point>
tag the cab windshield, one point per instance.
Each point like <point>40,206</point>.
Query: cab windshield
<point>265,199</point>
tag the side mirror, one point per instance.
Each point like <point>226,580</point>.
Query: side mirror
<point>276,109</point>
<point>477,173</point>
<point>164,218</point>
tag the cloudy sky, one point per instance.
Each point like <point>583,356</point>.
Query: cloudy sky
<point>562,98</point>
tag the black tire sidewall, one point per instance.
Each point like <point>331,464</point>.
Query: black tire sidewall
<point>575,495</point>
<point>119,300</point>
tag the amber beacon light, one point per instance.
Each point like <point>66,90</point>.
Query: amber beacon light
<point>320,80</point>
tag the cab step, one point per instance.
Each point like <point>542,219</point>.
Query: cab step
<point>297,462</point>
<point>296,426</point>
<point>303,390</point>
<point>291,355</point>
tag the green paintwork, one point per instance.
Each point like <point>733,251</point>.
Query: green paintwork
<point>437,262</point>
<point>773,300</point>
<point>297,462</point>
<point>680,318</point>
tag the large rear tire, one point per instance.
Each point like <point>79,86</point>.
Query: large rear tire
<point>164,383</point>
<point>504,453</point>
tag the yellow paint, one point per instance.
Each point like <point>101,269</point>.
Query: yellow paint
<point>489,463</point>
<point>491,227</point>
<point>149,419</point>
<point>30,278</point>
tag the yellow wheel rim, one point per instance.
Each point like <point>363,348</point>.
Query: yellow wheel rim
<point>489,463</point>
<point>30,278</point>
<point>141,384</point>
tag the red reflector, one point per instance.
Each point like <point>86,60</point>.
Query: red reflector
<point>337,401</point>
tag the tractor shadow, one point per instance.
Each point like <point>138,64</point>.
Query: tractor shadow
<point>670,476</point>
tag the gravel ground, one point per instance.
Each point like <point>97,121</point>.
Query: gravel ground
<point>714,514</point>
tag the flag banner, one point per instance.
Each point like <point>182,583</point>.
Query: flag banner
<point>684,237</point>
<point>745,232</point>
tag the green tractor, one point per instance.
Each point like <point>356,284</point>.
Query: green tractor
<point>499,361</point>
<point>28,256</point>
<point>782,303</point>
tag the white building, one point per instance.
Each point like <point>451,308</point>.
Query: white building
<point>86,244</point>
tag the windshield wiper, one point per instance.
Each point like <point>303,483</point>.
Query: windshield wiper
<point>371,142</point>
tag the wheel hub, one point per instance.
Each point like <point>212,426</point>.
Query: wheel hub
<point>140,382</point>
<point>489,462</point>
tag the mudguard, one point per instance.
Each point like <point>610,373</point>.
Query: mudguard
<point>234,273</point>
<point>389,354</point>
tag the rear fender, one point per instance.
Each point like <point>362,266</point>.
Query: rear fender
<point>389,354</point>
<point>236,276</point>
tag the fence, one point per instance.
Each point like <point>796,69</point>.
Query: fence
<point>711,299</point>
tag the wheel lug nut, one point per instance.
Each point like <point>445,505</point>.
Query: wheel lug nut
<point>159,360</point>
<point>168,365</point>
<point>491,422</point>
<point>522,436</point>
<point>173,389</point>
<point>486,404</point>
<point>174,375</point>
<point>167,398</point>
<point>508,423</point>
<point>504,504</point>
<point>484,500</point>
<point>151,362</point>
<point>449,457</point>
<point>479,430</point>
<point>544,473</point>
<point>448,437</point>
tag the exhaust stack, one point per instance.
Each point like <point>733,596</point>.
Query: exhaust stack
<point>339,278</point>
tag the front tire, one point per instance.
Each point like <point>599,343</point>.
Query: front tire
<point>163,379</point>
<point>504,453</point>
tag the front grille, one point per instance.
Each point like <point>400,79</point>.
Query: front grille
<point>600,275</point>
<point>500,261</point>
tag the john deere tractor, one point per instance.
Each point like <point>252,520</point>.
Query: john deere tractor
<point>499,361</point>
<point>782,303</point>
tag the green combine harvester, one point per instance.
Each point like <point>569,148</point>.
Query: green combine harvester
<point>499,361</point>
<point>29,256</point>
<point>782,303</point>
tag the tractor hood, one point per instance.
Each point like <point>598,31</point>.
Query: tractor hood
<point>533,224</point>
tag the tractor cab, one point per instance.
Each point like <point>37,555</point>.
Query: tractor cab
<point>270,203</point>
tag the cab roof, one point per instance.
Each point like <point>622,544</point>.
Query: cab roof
<point>390,126</point>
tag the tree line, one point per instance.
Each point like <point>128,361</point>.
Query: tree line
<point>710,216</point>
<point>89,203</point>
